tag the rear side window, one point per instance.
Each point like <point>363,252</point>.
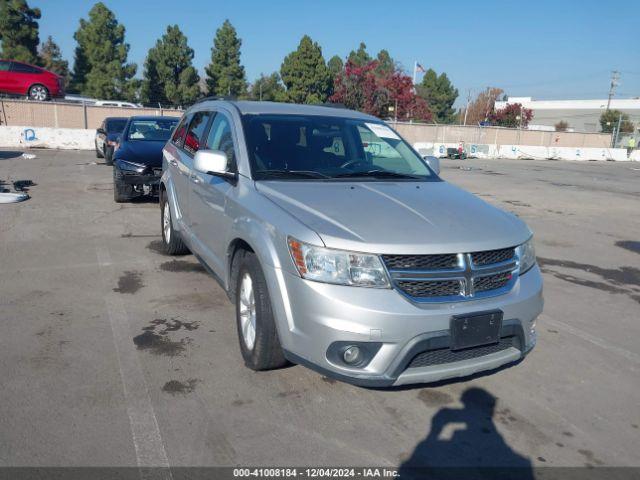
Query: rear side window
<point>179,134</point>
<point>194,140</point>
<point>23,68</point>
<point>4,66</point>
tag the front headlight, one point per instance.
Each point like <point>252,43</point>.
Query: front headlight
<point>526,255</point>
<point>337,266</point>
<point>131,167</point>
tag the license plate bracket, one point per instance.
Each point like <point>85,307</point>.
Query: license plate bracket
<point>475,329</point>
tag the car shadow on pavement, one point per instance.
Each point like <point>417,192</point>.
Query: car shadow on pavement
<point>9,154</point>
<point>465,443</point>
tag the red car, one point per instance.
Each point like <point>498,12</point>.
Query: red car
<point>17,78</point>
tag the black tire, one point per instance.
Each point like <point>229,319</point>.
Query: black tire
<point>266,353</point>
<point>121,191</point>
<point>108,156</point>
<point>174,244</point>
<point>98,152</point>
<point>38,92</point>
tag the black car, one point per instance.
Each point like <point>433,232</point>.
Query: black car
<point>454,153</point>
<point>137,160</point>
<point>107,137</point>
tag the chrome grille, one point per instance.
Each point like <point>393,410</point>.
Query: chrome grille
<point>491,282</point>
<point>419,289</point>
<point>421,262</point>
<point>453,277</point>
<point>492,256</point>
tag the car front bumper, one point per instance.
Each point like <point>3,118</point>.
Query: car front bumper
<point>312,316</point>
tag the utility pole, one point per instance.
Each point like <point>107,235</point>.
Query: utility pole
<point>466,110</point>
<point>615,76</point>
<point>260,91</point>
<point>615,138</point>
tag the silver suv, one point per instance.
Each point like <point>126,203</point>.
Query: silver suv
<point>343,249</point>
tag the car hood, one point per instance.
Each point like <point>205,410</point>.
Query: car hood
<point>397,217</point>
<point>143,152</point>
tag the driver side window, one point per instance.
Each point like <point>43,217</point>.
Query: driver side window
<point>221,138</point>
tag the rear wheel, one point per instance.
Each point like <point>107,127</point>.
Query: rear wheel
<point>98,152</point>
<point>171,240</point>
<point>38,93</point>
<point>259,342</point>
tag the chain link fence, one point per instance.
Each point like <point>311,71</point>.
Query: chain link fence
<point>67,115</point>
<point>477,135</point>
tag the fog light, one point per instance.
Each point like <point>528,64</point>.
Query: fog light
<point>532,327</point>
<point>352,355</point>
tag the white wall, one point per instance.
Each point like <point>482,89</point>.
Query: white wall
<point>41,137</point>
<point>528,152</point>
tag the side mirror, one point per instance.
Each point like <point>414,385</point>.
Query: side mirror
<point>101,131</point>
<point>212,162</point>
<point>433,162</point>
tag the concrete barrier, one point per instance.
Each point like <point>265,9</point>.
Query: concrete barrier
<point>534,152</point>
<point>635,156</point>
<point>43,137</point>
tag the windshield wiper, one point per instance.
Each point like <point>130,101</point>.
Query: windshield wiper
<point>292,174</point>
<point>379,174</point>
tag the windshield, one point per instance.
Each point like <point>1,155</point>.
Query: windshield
<point>151,130</point>
<point>288,147</point>
<point>116,126</point>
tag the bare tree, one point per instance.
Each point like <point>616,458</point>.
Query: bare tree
<point>483,105</point>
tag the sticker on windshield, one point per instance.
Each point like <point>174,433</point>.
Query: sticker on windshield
<point>382,131</point>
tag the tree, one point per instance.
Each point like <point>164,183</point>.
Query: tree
<point>361,88</point>
<point>305,74</point>
<point>514,115</point>
<point>268,88</point>
<point>51,58</point>
<point>440,95</point>
<point>101,69</point>
<point>386,64</point>
<point>562,126</point>
<point>19,31</point>
<point>360,57</point>
<point>609,121</point>
<point>480,109</point>
<point>225,74</point>
<point>169,76</point>
<point>335,65</point>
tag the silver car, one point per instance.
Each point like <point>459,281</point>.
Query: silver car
<point>343,249</point>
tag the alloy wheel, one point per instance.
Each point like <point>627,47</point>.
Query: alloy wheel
<point>247,312</point>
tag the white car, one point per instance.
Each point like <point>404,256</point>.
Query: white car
<point>115,103</point>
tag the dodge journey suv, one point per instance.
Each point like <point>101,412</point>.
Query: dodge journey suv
<point>343,249</point>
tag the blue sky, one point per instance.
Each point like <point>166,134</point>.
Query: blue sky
<point>545,49</point>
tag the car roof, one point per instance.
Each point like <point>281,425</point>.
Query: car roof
<point>153,117</point>
<point>116,118</point>
<point>246,107</point>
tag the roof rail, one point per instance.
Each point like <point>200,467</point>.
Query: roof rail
<point>215,97</point>
<point>333,105</point>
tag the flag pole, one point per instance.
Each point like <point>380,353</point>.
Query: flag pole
<point>415,71</point>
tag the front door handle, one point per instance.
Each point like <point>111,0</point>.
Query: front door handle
<point>195,178</point>
<point>173,163</point>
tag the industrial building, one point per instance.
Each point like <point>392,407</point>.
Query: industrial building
<point>581,115</point>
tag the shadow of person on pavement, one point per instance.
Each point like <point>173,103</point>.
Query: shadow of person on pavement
<point>464,443</point>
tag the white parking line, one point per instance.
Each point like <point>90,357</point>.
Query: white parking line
<point>147,440</point>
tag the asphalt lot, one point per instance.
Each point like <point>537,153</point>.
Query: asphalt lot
<point>113,354</point>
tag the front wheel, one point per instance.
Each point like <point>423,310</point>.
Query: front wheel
<point>171,240</point>
<point>38,93</point>
<point>259,342</point>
